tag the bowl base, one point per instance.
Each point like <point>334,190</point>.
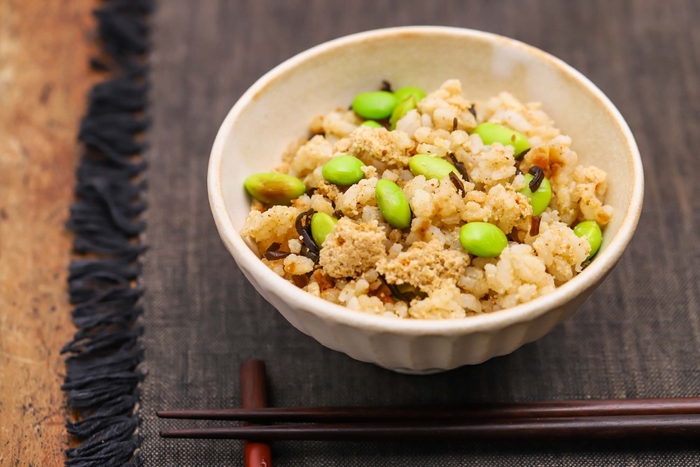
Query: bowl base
<point>408,371</point>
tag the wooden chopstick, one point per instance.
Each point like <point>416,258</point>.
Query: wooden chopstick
<point>253,383</point>
<point>571,408</point>
<point>611,427</point>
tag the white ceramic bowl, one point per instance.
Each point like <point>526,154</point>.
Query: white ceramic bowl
<point>278,108</point>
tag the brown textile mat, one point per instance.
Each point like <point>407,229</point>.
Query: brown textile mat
<point>638,336</point>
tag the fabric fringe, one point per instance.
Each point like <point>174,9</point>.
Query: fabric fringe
<point>102,369</point>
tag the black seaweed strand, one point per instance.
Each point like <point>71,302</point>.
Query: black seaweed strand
<point>102,370</point>
<point>522,154</point>
<point>535,226</point>
<point>537,177</point>
<point>460,167</point>
<point>303,227</point>
<point>395,292</point>
<point>458,184</point>
<point>272,253</point>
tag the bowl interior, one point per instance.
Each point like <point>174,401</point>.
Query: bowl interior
<point>280,111</point>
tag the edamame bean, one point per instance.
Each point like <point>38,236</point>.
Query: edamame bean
<point>591,231</point>
<point>371,124</point>
<point>482,239</point>
<point>321,225</point>
<point>401,109</point>
<point>375,105</point>
<point>343,170</point>
<point>393,204</point>
<point>430,166</point>
<point>403,93</point>
<point>539,200</point>
<point>274,188</point>
<point>494,133</point>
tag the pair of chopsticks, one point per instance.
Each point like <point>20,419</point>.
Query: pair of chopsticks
<point>595,419</point>
<point>560,420</point>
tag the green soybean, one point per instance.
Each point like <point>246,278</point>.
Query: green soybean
<point>274,188</point>
<point>403,93</point>
<point>376,105</point>
<point>494,133</point>
<point>401,109</point>
<point>482,239</point>
<point>430,166</point>
<point>539,200</point>
<point>343,170</point>
<point>321,225</point>
<point>591,231</point>
<point>393,204</point>
<point>371,124</point>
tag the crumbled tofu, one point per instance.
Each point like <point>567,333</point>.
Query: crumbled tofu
<point>428,266</point>
<point>351,249</point>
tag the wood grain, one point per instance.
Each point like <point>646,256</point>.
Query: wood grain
<point>44,78</point>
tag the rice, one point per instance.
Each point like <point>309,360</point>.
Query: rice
<point>422,272</point>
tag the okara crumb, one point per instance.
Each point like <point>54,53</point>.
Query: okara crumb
<point>427,266</point>
<point>352,248</point>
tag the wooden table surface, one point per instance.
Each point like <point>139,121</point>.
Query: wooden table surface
<point>44,79</point>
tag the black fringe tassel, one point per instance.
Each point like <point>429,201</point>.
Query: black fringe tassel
<point>102,369</point>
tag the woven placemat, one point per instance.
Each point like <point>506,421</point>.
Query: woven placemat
<point>638,336</point>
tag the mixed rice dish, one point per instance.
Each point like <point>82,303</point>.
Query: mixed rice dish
<point>429,206</point>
